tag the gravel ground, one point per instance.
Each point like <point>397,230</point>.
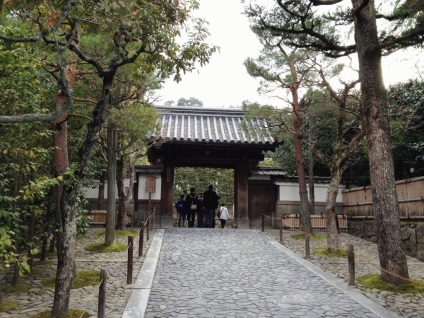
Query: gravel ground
<point>39,298</point>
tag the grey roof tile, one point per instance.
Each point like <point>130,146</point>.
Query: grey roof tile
<point>183,124</point>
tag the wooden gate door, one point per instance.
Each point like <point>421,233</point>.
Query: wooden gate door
<point>262,198</point>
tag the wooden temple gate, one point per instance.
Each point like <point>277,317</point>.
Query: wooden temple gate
<point>214,138</point>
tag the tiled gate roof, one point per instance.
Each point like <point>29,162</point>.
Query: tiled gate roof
<point>189,125</point>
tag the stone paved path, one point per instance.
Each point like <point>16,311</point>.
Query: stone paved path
<point>239,273</point>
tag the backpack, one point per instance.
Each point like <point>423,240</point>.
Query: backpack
<point>179,206</point>
<point>191,202</point>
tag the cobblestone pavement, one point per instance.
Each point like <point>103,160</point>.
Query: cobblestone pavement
<point>366,262</point>
<point>212,282</point>
<point>243,273</point>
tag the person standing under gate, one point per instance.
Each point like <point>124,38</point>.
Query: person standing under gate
<point>191,207</point>
<point>179,205</point>
<point>200,211</point>
<point>223,215</point>
<point>210,202</point>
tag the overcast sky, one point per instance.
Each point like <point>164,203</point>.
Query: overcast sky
<point>224,81</point>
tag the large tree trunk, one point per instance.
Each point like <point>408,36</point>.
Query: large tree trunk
<point>66,257</point>
<point>101,194</point>
<point>311,167</point>
<point>305,217</point>
<point>111,183</point>
<point>65,218</point>
<point>66,254</point>
<point>333,239</point>
<point>385,204</point>
<point>122,196</point>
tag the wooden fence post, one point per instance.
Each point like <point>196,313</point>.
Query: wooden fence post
<point>130,260</point>
<point>154,218</point>
<point>263,221</point>
<point>307,247</point>
<point>102,295</point>
<point>351,264</point>
<point>281,229</point>
<point>140,240</point>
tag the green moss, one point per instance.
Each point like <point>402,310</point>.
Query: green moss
<point>301,236</point>
<point>37,271</point>
<point>126,233</point>
<point>18,289</point>
<point>72,313</point>
<point>84,278</point>
<point>119,233</point>
<point>326,252</point>
<point>374,281</point>
<point>7,305</point>
<point>101,248</point>
<point>101,233</point>
<point>405,223</point>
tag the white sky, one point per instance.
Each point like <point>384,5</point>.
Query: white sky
<point>224,81</point>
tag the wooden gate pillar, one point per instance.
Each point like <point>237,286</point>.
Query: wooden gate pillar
<point>166,201</point>
<point>241,186</point>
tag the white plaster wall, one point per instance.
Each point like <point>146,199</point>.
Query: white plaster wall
<point>290,192</point>
<point>92,193</point>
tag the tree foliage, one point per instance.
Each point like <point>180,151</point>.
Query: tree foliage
<point>190,102</point>
<point>101,38</point>
<point>200,178</point>
<point>304,25</point>
<point>406,105</point>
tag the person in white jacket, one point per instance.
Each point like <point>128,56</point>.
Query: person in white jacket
<point>223,215</point>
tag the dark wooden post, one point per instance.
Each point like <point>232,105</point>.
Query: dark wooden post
<point>263,221</point>
<point>307,247</point>
<point>102,295</point>
<point>241,188</point>
<point>167,184</point>
<point>147,228</point>
<point>140,240</point>
<point>154,219</point>
<point>130,260</point>
<point>281,229</point>
<point>351,264</point>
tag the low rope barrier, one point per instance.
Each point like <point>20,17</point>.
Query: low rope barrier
<point>351,270</point>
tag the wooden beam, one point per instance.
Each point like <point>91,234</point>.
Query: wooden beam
<point>241,188</point>
<point>167,188</point>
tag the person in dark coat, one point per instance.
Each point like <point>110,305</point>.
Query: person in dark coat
<point>180,206</point>
<point>191,207</point>
<point>200,211</point>
<point>210,202</point>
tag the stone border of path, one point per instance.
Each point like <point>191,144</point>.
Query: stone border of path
<point>137,303</point>
<point>349,291</point>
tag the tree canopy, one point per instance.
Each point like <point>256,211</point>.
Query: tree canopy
<point>87,48</point>
<point>326,27</point>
